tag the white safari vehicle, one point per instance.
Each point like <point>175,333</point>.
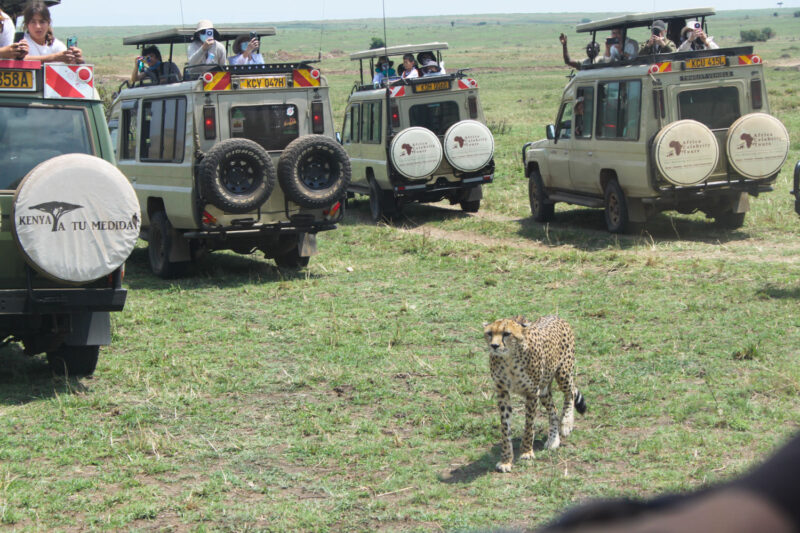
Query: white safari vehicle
<point>69,221</point>
<point>682,131</point>
<point>416,139</point>
<point>240,158</point>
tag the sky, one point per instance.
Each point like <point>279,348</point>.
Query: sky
<point>188,12</point>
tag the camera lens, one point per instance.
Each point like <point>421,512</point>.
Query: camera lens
<point>697,25</point>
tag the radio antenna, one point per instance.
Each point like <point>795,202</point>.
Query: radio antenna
<point>183,24</point>
<point>385,43</point>
<point>321,32</point>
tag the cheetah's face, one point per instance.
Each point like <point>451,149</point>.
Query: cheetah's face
<point>503,335</point>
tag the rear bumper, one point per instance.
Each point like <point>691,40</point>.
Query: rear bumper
<point>60,301</point>
<point>441,185</point>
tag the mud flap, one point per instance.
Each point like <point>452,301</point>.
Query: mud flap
<point>180,250</point>
<point>636,210</point>
<point>473,194</point>
<point>89,329</point>
<point>741,204</point>
<point>307,244</point>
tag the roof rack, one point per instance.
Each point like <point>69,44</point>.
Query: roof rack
<point>398,50</point>
<point>185,35</point>
<point>637,20</point>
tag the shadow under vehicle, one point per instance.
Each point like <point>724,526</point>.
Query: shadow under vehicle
<point>683,131</point>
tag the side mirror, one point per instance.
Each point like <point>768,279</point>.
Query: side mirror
<point>550,131</point>
<point>339,137</point>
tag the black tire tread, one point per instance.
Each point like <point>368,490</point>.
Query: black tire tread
<point>292,183</point>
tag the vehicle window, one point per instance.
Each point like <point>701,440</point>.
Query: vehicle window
<point>437,116</point>
<point>129,132</point>
<point>371,122</point>
<point>355,123</point>
<point>717,108</point>
<point>583,111</point>
<point>346,133</point>
<point>564,128</point>
<point>113,131</point>
<point>163,130</point>
<point>31,135</point>
<point>619,110</point>
<point>271,126</point>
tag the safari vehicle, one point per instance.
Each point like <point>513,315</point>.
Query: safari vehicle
<point>416,140</point>
<point>202,150</point>
<point>796,190</point>
<point>684,131</point>
<point>69,218</point>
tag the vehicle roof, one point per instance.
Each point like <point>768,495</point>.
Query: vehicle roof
<point>14,8</point>
<point>634,20</point>
<point>398,50</point>
<point>185,35</point>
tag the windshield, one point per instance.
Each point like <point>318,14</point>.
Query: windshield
<point>29,136</point>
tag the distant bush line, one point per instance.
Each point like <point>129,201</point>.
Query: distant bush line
<point>749,36</point>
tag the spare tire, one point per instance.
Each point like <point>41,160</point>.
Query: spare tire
<point>758,145</point>
<point>314,171</point>
<point>468,145</point>
<point>416,152</point>
<point>237,175</point>
<point>685,152</point>
<point>75,218</point>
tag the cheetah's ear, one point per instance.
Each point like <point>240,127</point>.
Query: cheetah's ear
<point>522,321</point>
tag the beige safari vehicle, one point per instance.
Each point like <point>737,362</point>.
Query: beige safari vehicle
<point>68,218</point>
<point>416,139</point>
<point>240,158</point>
<point>683,131</point>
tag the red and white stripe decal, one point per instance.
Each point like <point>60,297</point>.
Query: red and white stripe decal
<point>397,91</point>
<point>68,81</point>
<point>467,83</point>
<point>750,59</point>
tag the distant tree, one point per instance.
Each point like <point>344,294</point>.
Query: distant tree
<point>452,23</point>
<point>797,14</point>
<point>756,35</point>
<point>376,42</point>
<point>482,23</point>
<point>585,20</point>
<point>768,33</point>
<point>775,14</point>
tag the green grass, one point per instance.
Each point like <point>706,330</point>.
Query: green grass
<point>355,395</point>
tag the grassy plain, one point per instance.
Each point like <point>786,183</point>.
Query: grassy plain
<point>355,395</point>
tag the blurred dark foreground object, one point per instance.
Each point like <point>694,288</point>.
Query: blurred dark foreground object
<point>767,499</point>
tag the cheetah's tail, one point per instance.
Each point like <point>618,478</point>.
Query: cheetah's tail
<point>580,402</point>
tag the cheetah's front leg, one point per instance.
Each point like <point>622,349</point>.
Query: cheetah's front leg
<point>527,438</point>
<point>507,454</point>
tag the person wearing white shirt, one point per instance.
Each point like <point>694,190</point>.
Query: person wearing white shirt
<point>410,69</point>
<point>205,49</point>
<point>42,45</point>
<point>247,51</point>
<point>8,48</point>
<point>695,38</point>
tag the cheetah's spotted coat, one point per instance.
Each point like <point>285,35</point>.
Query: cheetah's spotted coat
<point>524,359</point>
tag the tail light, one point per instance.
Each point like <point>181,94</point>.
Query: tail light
<point>472,103</point>
<point>317,120</point>
<point>755,94</point>
<point>210,122</point>
<point>395,115</point>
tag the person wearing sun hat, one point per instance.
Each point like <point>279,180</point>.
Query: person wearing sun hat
<point>204,48</point>
<point>658,42</point>
<point>383,70</point>
<point>695,38</point>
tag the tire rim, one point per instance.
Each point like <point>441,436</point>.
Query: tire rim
<point>239,177</point>
<point>318,172</point>
<point>613,209</point>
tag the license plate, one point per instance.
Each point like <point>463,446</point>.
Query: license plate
<point>17,80</point>
<point>263,82</point>
<point>443,85</point>
<point>706,62</point>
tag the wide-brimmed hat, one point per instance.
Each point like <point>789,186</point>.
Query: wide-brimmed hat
<point>691,25</point>
<point>384,59</point>
<point>204,25</point>
<point>660,24</point>
<point>430,63</point>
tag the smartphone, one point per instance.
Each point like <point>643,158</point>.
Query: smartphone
<point>209,34</point>
<point>253,35</point>
<point>72,41</point>
<point>612,40</point>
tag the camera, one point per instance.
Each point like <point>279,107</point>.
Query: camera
<point>656,31</point>
<point>697,25</point>
<point>612,40</point>
<point>209,34</point>
<point>253,35</point>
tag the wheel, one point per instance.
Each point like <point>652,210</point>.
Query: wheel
<point>292,259</point>
<point>616,208</point>
<point>541,209</point>
<point>237,175</point>
<point>730,220</point>
<point>314,171</point>
<point>159,247</point>
<point>470,206</point>
<point>73,360</point>
<point>382,205</point>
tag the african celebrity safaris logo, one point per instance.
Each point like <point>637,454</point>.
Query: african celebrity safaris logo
<point>56,210</point>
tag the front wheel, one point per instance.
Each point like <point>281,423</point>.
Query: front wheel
<point>541,209</point>
<point>73,360</point>
<point>616,211</point>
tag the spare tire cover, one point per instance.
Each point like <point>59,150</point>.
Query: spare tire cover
<point>686,152</point>
<point>758,145</point>
<point>468,145</point>
<point>76,218</point>
<point>416,152</point>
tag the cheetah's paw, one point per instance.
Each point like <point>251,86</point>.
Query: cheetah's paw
<point>503,467</point>
<point>552,443</point>
<point>527,456</point>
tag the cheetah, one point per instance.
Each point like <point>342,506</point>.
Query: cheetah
<point>524,359</point>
